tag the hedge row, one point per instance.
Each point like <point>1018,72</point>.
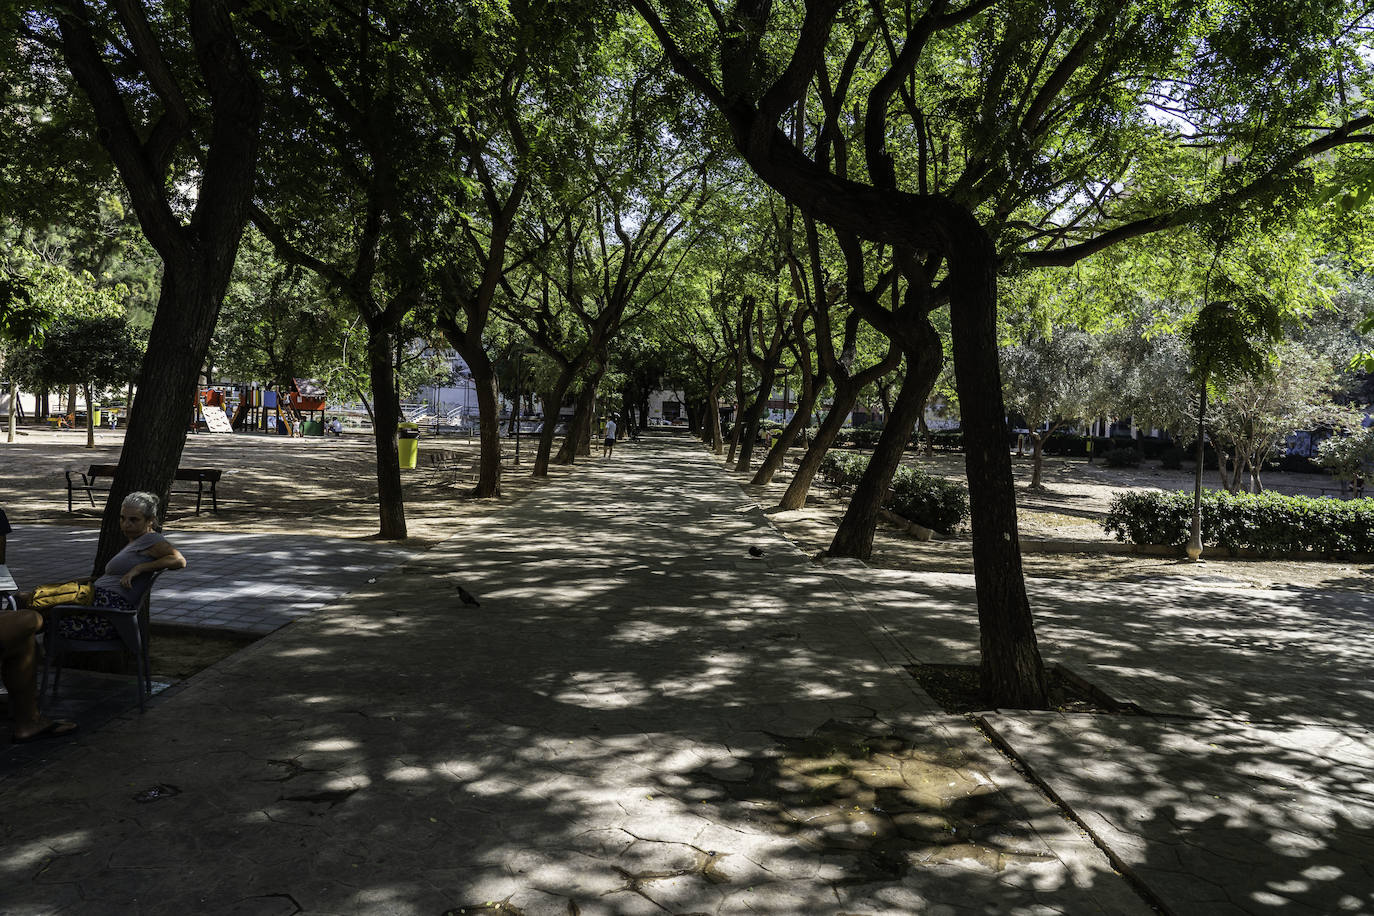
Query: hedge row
<point>1266,522</point>
<point>915,495</point>
<point>867,437</point>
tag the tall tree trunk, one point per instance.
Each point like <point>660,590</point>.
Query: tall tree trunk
<point>90,418</point>
<point>1194,548</point>
<point>717,440</point>
<point>553,404</point>
<point>489,425</point>
<point>854,536</point>
<point>801,418</point>
<point>188,305</point>
<point>579,427</point>
<point>197,255</point>
<point>386,417</point>
<point>11,421</point>
<point>1012,670</point>
<point>846,394</point>
<point>752,421</point>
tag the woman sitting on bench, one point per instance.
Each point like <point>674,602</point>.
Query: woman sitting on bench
<point>146,551</point>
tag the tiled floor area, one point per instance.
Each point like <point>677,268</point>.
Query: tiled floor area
<point>246,583</point>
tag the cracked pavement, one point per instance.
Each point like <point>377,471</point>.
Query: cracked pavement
<point>640,717</point>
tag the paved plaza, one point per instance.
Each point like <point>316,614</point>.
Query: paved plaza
<point>241,583</point>
<point>641,717</point>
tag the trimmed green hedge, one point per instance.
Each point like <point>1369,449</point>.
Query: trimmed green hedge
<point>915,495</point>
<point>1266,522</point>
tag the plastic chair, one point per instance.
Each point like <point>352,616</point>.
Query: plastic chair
<point>131,628</point>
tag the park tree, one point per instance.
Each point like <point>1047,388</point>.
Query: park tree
<point>613,247</point>
<point>850,353</point>
<point>997,134</point>
<point>1048,378</point>
<point>1255,413</point>
<point>171,95</point>
<point>701,324</point>
<point>508,128</point>
<point>1347,453</point>
<point>91,351</point>
<point>277,324</point>
<point>64,329</point>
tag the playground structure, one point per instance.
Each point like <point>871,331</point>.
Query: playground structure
<point>263,408</point>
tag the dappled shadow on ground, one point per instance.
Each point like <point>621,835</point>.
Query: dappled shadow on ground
<point>1215,816</point>
<point>633,719</point>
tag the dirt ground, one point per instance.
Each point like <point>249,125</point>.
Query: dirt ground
<point>1071,506</point>
<point>328,487</point>
<point>271,484</point>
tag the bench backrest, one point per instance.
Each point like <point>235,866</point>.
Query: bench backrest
<point>207,474</point>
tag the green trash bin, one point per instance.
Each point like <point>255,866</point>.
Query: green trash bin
<point>408,445</point>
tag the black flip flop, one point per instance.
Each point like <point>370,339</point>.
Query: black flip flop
<point>58,728</point>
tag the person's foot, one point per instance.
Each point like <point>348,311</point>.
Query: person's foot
<point>56,728</point>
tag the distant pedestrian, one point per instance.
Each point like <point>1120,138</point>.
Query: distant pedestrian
<point>609,445</point>
<point>1359,486</point>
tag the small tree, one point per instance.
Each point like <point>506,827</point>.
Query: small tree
<point>1345,455</point>
<point>1227,339</point>
<point>1255,413</point>
<point>1049,380</point>
<point>91,351</point>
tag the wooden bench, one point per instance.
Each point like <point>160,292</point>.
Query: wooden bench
<point>91,477</point>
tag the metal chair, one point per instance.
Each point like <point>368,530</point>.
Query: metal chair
<point>131,628</point>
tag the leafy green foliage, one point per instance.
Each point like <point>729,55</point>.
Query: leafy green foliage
<point>928,500</point>
<point>843,469</point>
<point>915,495</point>
<point>1345,455</point>
<point>97,351</point>
<point>1268,522</point>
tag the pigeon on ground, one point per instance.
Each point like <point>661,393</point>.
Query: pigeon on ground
<point>466,597</point>
<point>756,551</point>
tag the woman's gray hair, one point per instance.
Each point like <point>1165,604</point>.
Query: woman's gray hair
<point>145,502</point>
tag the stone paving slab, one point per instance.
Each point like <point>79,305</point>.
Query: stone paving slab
<point>1253,790</point>
<point>1216,816</point>
<point>1204,650</point>
<point>244,583</point>
<point>636,719</point>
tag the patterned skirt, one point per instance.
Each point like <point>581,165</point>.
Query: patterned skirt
<point>90,626</point>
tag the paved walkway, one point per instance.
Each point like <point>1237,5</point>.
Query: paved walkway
<point>641,718</point>
<point>243,583</point>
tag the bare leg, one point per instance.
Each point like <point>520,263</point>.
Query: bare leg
<point>19,671</point>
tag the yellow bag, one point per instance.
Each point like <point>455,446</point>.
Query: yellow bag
<point>63,593</point>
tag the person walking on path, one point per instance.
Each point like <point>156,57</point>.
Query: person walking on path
<point>609,446</point>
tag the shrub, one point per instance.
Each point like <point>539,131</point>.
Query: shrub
<point>1060,443</point>
<point>842,469</point>
<point>863,436</point>
<point>1128,457</point>
<point>1266,522</point>
<point>927,500</point>
<point>1151,446</point>
<point>1171,458</point>
<point>948,438</point>
<point>1344,456</point>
